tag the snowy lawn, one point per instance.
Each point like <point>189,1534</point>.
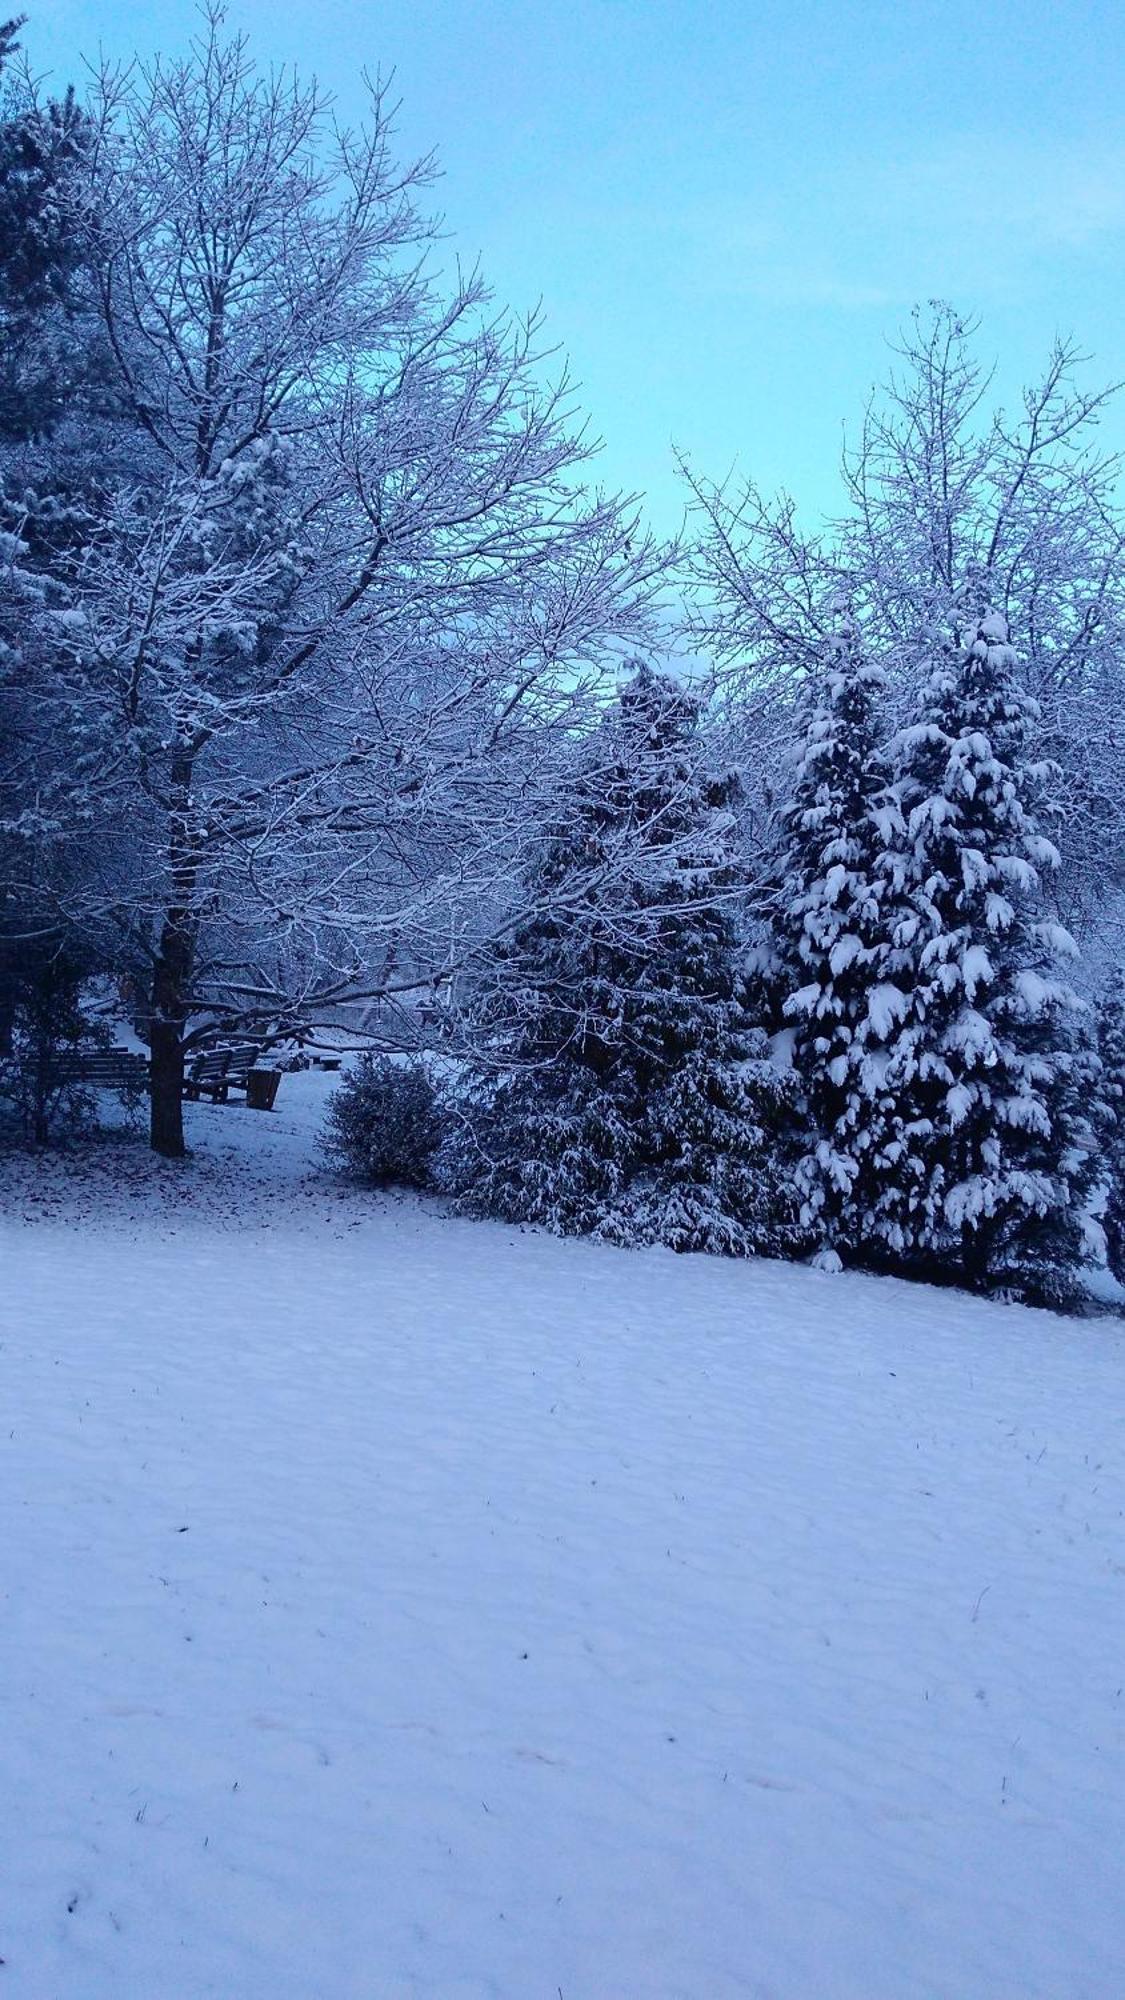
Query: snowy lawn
<point>397,1606</point>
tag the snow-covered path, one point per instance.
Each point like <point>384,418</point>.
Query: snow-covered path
<point>393,1606</point>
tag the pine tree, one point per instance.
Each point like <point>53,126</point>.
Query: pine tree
<point>49,350</point>
<point>839,904</point>
<point>1111,1120</point>
<point>51,469</point>
<point>627,1094</point>
<point>989,1061</point>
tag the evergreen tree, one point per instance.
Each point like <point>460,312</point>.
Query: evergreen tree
<point>48,344</point>
<point>989,1060</point>
<point>839,903</point>
<point>624,1092</point>
<point>47,367</point>
<point>1111,1106</point>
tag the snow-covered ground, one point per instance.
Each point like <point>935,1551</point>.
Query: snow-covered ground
<point>396,1606</point>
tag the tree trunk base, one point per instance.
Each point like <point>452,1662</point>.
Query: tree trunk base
<point>166,1093</point>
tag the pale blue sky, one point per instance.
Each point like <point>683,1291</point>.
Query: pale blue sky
<point>727,208</point>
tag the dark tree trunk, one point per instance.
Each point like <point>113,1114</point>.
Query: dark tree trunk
<point>171,979</point>
<point>975,1257</point>
<point>166,1091</point>
<point>41,1089</point>
<point>41,1082</point>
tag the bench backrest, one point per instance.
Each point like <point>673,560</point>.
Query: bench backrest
<point>214,1063</point>
<point>109,1066</point>
<point>229,1063</point>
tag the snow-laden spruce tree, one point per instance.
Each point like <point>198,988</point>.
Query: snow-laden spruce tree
<point>1111,1101</point>
<point>989,1061</point>
<point>846,973</point>
<point>624,1092</point>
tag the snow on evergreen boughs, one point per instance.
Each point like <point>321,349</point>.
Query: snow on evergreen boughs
<point>634,1100</point>
<point>989,1060</point>
<point>1111,1101</point>
<point>847,990</point>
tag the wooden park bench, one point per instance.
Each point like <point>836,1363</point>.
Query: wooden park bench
<point>216,1072</point>
<point>103,1069</point>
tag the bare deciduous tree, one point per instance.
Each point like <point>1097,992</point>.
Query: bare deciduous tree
<point>320,665</point>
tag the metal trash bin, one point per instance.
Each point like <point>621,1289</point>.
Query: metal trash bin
<point>261,1088</point>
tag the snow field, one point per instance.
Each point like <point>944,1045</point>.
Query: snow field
<point>394,1606</point>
